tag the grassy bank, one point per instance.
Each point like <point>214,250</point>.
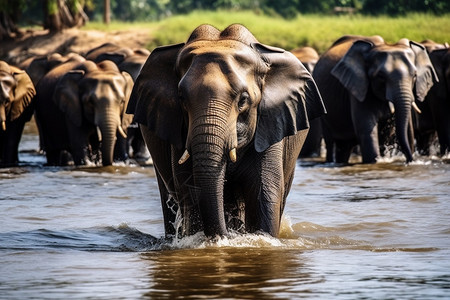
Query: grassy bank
<point>318,31</point>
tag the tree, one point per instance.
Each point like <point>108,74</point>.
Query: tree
<point>60,14</point>
<point>9,14</point>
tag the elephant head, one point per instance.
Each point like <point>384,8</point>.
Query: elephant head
<point>217,96</point>
<point>398,73</point>
<point>16,93</point>
<point>40,66</point>
<point>97,95</point>
<point>308,56</point>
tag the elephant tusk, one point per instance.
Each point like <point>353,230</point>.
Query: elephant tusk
<point>391,107</point>
<point>4,125</point>
<point>99,134</point>
<point>233,155</point>
<point>416,108</point>
<point>184,157</point>
<point>122,133</point>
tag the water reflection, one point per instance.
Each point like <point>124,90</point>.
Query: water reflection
<point>234,273</point>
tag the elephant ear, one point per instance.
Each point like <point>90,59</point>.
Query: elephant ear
<point>290,97</point>
<point>154,99</point>
<point>426,75</point>
<point>23,93</point>
<point>127,118</point>
<point>66,96</point>
<point>351,71</point>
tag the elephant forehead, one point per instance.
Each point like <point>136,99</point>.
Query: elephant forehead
<point>230,55</point>
<point>218,50</point>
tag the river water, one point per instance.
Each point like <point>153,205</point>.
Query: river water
<point>355,232</point>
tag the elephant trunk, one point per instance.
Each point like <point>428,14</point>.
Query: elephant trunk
<point>402,106</point>
<point>209,166</point>
<point>108,124</point>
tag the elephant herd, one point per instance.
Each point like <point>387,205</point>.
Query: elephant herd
<point>79,105</point>
<point>225,117</point>
<point>378,95</point>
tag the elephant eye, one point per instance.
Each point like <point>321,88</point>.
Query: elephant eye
<point>243,101</point>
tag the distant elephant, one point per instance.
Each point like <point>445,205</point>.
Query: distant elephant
<point>224,118</point>
<point>130,61</point>
<point>41,65</point>
<point>16,95</point>
<point>81,105</point>
<point>434,116</point>
<point>312,146</point>
<point>358,77</point>
<point>126,59</point>
<point>308,56</point>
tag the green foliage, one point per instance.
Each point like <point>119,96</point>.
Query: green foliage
<point>52,7</point>
<point>145,10</point>
<point>317,31</point>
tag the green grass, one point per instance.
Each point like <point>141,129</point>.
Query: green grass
<point>318,31</point>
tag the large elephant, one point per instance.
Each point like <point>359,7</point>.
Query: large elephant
<point>434,116</point>
<point>224,118</point>
<point>16,95</point>
<point>358,77</point>
<point>81,105</point>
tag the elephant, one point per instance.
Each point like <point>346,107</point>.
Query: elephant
<point>81,109</point>
<point>308,56</point>
<point>126,59</point>
<point>312,146</point>
<point>41,65</point>
<point>434,116</point>
<point>16,108</point>
<point>358,77</point>
<point>130,61</point>
<point>224,118</point>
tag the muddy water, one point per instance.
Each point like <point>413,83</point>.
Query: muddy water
<point>356,232</point>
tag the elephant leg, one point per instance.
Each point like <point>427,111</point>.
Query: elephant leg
<point>162,162</point>
<point>79,143</point>
<point>120,149</point>
<point>186,193</point>
<point>365,125</point>
<point>329,143</point>
<point>169,207</point>
<point>11,142</point>
<point>264,189</point>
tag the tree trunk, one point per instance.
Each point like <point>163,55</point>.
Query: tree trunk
<point>106,12</point>
<point>7,26</point>
<point>58,16</point>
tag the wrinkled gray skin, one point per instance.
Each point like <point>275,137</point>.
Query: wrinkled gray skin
<point>434,117</point>
<point>357,78</point>
<point>16,95</point>
<point>74,99</point>
<point>241,110</point>
<point>312,146</point>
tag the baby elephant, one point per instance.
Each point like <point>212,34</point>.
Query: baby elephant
<point>224,118</point>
